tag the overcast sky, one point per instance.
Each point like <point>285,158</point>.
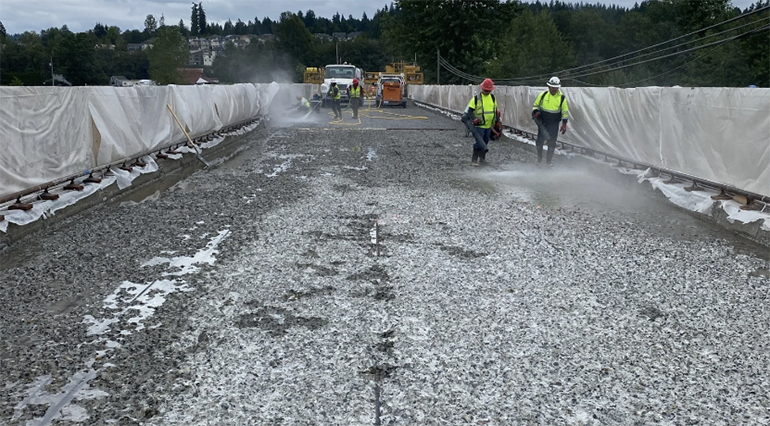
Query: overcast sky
<point>81,15</point>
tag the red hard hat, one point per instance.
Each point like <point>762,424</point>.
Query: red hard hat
<point>487,85</point>
<point>355,81</point>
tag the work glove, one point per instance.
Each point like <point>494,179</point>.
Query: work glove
<point>536,115</point>
<point>563,128</point>
<point>476,121</point>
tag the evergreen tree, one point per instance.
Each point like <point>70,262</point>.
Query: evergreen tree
<point>293,37</point>
<point>201,19</point>
<point>194,21</point>
<point>464,32</point>
<point>531,46</point>
<point>182,29</point>
<point>100,30</point>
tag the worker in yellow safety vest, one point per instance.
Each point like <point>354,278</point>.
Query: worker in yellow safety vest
<point>550,107</point>
<point>304,104</point>
<point>479,117</point>
<point>354,93</point>
<point>334,93</point>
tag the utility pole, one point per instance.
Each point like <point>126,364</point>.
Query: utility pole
<point>438,67</point>
<point>53,82</point>
<point>337,51</point>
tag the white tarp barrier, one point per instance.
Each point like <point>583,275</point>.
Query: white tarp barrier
<point>44,135</point>
<point>196,109</point>
<point>48,133</point>
<point>716,134</point>
<point>266,94</point>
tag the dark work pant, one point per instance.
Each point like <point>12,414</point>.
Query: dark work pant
<point>553,132</point>
<point>336,107</point>
<point>484,133</point>
<point>354,103</point>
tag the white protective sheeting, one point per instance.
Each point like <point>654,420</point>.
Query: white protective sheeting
<point>48,133</point>
<point>42,135</point>
<point>717,134</point>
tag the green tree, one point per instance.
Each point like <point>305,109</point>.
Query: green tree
<point>150,25</point>
<point>532,46</point>
<point>194,21</point>
<point>182,29</point>
<point>202,28</point>
<point>113,34</point>
<point>168,53</point>
<point>757,50</point>
<point>100,30</point>
<point>293,37</point>
<point>464,32</point>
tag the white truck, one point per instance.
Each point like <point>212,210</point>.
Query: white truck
<point>343,75</point>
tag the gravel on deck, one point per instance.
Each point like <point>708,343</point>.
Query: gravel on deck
<point>364,274</point>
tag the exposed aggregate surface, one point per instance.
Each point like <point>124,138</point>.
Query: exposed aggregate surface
<point>343,274</point>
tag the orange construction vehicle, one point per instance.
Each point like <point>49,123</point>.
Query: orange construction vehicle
<point>391,90</point>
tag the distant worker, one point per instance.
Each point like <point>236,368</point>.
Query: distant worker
<point>354,92</point>
<point>480,116</point>
<point>550,108</point>
<point>304,104</point>
<point>334,93</point>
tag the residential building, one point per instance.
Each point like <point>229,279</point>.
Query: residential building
<point>120,81</point>
<point>323,37</point>
<point>208,58</point>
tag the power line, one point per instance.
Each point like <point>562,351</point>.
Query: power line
<point>742,16</point>
<point>683,44</point>
<point>723,41</point>
<point>595,68</point>
<point>449,67</point>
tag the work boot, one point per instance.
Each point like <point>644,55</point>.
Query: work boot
<point>483,158</point>
<point>475,158</point>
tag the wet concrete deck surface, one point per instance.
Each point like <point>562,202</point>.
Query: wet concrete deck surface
<point>363,273</point>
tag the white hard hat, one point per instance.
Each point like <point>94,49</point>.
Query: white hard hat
<point>333,82</point>
<point>554,82</point>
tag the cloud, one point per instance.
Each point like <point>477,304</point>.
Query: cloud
<point>81,15</point>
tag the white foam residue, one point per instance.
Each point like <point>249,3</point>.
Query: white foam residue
<point>144,298</point>
<point>281,168</point>
<point>98,326</point>
<point>60,404</point>
<point>371,155</point>
<point>186,264</point>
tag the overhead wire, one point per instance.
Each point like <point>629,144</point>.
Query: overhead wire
<point>522,80</point>
<point>688,42</point>
<point>615,58</point>
<point>715,43</point>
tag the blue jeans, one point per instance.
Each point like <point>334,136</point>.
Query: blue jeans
<point>484,133</point>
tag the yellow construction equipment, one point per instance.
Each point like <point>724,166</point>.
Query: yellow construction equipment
<point>314,75</point>
<point>371,77</point>
<point>411,73</point>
